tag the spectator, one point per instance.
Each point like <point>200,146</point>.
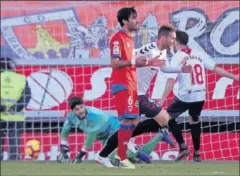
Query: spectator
<point>15,95</point>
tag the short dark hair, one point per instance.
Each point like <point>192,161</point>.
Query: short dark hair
<point>165,30</point>
<point>182,37</point>
<point>125,13</point>
<point>6,64</point>
<point>75,101</point>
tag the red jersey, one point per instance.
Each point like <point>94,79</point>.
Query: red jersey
<point>122,48</point>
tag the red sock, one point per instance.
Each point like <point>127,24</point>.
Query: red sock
<point>124,136</point>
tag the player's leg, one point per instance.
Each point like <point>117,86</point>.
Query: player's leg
<point>128,113</point>
<point>195,125</point>
<point>148,125</point>
<point>139,155</point>
<point>152,110</point>
<point>14,133</point>
<point>112,142</point>
<point>149,147</point>
<point>2,135</point>
<point>152,125</point>
<point>110,145</point>
<point>114,127</point>
<point>176,108</point>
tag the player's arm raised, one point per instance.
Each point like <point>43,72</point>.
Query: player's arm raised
<point>211,65</point>
<point>64,148</point>
<point>222,72</point>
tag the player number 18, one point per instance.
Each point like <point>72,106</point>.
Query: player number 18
<point>196,75</point>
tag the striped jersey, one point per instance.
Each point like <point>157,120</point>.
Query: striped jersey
<point>146,74</point>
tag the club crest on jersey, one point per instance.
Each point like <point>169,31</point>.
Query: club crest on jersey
<point>130,108</point>
<point>116,49</point>
<point>137,103</point>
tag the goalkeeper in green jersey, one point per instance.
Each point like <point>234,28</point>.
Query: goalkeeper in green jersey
<point>98,125</point>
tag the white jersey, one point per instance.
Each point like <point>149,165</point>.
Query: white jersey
<point>146,74</point>
<point>192,86</point>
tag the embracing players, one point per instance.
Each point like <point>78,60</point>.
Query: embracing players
<point>191,93</point>
<point>124,79</point>
<point>154,52</point>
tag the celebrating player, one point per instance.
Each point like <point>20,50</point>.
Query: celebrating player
<point>191,92</point>
<point>158,117</point>
<point>95,122</point>
<point>124,79</point>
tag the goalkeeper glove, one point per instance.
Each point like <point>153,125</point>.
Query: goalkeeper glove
<point>78,158</point>
<point>63,157</point>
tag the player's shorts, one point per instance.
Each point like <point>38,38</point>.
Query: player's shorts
<point>148,107</point>
<point>126,102</point>
<point>177,107</point>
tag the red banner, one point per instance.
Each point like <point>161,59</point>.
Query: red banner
<point>93,84</point>
<point>215,146</point>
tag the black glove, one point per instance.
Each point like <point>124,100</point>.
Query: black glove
<point>63,157</point>
<point>78,158</point>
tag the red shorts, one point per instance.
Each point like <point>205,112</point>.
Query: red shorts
<point>126,102</point>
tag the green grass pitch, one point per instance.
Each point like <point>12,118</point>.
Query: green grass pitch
<point>15,168</point>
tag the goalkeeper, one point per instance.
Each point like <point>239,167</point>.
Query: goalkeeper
<point>97,124</point>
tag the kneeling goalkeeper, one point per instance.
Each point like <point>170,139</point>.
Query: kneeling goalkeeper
<point>93,121</point>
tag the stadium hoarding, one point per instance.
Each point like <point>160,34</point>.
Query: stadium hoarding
<point>210,150</point>
<point>51,87</point>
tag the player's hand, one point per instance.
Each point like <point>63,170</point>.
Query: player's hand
<point>156,62</point>
<point>63,157</point>
<point>186,68</point>
<point>78,158</point>
<point>141,61</point>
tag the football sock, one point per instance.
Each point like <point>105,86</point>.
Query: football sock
<point>196,133</point>
<point>149,147</point>
<point>110,146</point>
<point>176,131</point>
<point>124,135</point>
